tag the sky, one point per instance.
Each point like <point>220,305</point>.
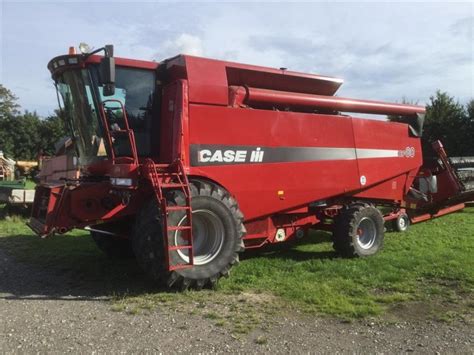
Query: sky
<point>383,50</point>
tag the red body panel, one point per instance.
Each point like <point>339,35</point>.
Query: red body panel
<point>272,138</point>
<point>302,182</point>
<point>209,80</point>
<point>210,88</point>
<point>395,139</point>
<point>126,62</point>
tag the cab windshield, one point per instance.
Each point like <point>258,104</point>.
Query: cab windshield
<point>82,95</point>
<point>82,114</point>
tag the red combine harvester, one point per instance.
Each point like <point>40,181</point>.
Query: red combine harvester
<point>187,162</point>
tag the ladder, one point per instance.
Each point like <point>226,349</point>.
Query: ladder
<point>114,131</point>
<point>164,178</point>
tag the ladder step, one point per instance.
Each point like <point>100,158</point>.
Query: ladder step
<point>180,247</point>
<point>173,176</point>
<point>178,228</point>
<point>177,208</point>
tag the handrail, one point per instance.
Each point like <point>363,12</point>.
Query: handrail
<point>128,131</point>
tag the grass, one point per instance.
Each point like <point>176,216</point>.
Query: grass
<point>432,263</point>
<point>30,185</point>
<point>434,258</point>
<point>74,254</point>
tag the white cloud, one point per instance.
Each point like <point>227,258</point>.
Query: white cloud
<point>383,51</point>
<point>182,44</point>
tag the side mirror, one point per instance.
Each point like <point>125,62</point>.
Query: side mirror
<point>107,72</point>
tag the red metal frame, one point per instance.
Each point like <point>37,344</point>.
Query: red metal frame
<point>172,176</point>
<point>111,134</point>
<point>441,212</point>
<point>321,160</point>
<point>125,62</point>
<point>272,98</point>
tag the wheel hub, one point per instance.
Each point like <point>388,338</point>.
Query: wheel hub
<point>208,237</point>
<point>366,233</point>
<point>402,222</point>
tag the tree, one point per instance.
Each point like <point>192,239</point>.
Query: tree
<point>448,121</point>
<point>24,136</point>
<point>20,138</point>
<point>470,110</point>
<point>8,104</point>
<point>51,130</point>
<point>470,134</point>
<point>8,109</point>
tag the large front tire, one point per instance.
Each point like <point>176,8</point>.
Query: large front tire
<point>217,237</point>
<point>358,231</point>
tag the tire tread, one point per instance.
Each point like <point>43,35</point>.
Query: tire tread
<point>155,266</point>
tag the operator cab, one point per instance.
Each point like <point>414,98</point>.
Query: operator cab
<point>119,94</point>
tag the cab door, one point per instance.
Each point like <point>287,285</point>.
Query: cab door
<point>173,135</point>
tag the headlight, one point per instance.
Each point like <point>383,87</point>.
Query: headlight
<point>84,48</point>
<point>121,181</point>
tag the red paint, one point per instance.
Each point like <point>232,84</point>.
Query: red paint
<point>125,62</point>
<point>211,102</point>
<point>271,98</point>
<point>441,212</point>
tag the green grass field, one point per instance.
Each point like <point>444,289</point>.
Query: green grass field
<point>432,263</point>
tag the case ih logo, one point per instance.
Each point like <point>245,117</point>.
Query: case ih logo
<point>230,156</point>
<point>409,152</point>
<point>215,154</point>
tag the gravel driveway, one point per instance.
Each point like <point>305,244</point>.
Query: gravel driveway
<point>41,312</point>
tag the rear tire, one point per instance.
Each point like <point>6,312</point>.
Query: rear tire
<point>113,247</point>
<point>358,231</point>
<point>402,223</point>
<point>217,237</point>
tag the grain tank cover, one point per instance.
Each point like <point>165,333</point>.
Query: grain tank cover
<point>209,80</point>
<point>281,79</point>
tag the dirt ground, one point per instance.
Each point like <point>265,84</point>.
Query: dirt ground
<point>45,311</point>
